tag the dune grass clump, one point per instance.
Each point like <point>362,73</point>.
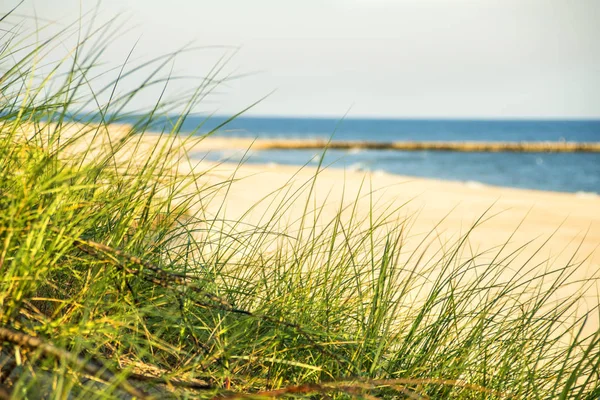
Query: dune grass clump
<point>122,278</point>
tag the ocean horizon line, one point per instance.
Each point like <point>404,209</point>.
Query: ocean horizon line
<point>91,115</point>
<point>388,118</point>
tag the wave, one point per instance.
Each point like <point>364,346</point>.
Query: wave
<point>474,184</point>
<point>586,195</point>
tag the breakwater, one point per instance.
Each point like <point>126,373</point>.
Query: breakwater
<point>521,147</point>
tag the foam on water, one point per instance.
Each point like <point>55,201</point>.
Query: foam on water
<point>586,195</point>
<point>474,185</point>
<point>356,167</point>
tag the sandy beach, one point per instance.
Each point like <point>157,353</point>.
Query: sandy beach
<point>443,210</point>
<point>572,219</point>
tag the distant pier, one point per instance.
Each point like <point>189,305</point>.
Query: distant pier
<point>517,147</point>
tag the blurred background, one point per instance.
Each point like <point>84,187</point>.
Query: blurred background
<point>417,70</point>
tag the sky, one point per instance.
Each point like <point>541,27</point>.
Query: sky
<point>371,58</point>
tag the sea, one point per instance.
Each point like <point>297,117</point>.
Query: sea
<point>561,172</point>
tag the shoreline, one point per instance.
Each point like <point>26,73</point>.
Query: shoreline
<point>382,172</point>
<point>242,144</point>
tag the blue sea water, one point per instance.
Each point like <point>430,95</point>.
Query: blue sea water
<point>566,172</point>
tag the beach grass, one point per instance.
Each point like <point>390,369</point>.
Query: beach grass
<point>111,287</point>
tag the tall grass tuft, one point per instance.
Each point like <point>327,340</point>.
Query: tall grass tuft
<point>122,277</point>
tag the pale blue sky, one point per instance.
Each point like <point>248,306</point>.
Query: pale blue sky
<point>403,58</point>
